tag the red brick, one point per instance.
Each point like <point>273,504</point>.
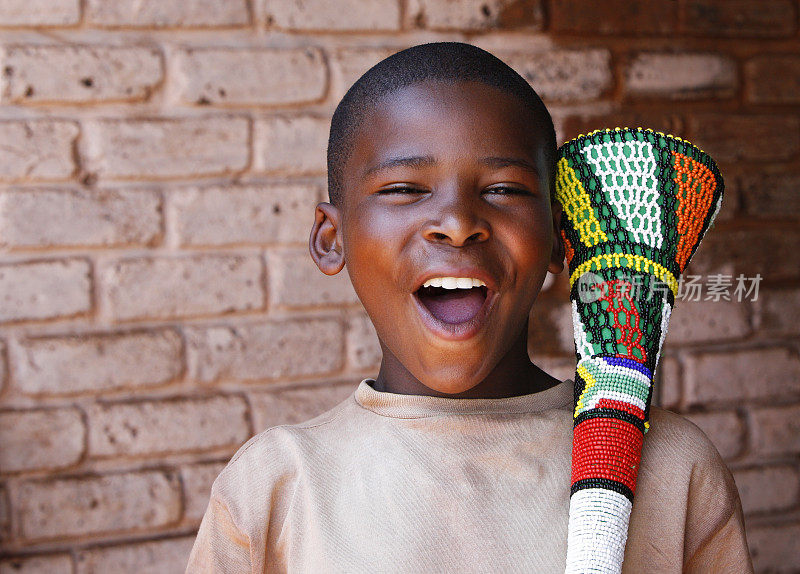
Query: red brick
<point>613,17</point>
<point>252,76</point>
<point>80,506</point>
<point>779,311</point>
<point>197,480</point>
<point>759,18</point>
<point>348,64</point>
<point>39,12</point>
<point>297,405</point>
<point>264,215</point>
<point>774,548</point>
<point>762,251</point>
<point>291,145</point>
<point>737,375</point>
<point>44,289</point>
<point>182,286</point>
<point>37,150</point>
<point>474,14</point>
<point>773,79</point>
<point>78,217</point>
<point>266,351</point>
<point>724,429</point>
<point>94,363</point>
<point>681,76</point>
<point>51,564</point>
<point>156,557</point>
<point>775,430</point>
<point>167,426</point>
<point>322,15</point>
<point>363,350</point>
<point>41,439</point>
<point>564,75</point>
<point>167,148</point>
<point>5,514</point>
<point>289,267</point>
<point>700,321</point>
<point>729,138</point>
<point>767,489</point>
<point>80,74</point>
<point>668,389</point>
<point>562,335</point>
<point>3,366</point>
<point>168,13</point>
<point>550,328</point>
<point>771,195</point>
<point>655,119</point>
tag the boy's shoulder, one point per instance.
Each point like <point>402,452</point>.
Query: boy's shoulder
<point>680,461</point>
<point>672,435</point>
<point>684,486</point>
<point>269,464</point>
<point>673,443</point>
<point>676,451</point>
<point>277,438</point>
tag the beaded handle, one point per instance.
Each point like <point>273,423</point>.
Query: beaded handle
<point>636,204</point>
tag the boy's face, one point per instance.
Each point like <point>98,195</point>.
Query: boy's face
<point>442,182</point>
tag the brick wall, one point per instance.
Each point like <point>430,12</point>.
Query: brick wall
<point>159,164</point>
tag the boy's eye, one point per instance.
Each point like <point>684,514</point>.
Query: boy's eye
<point>506,190</point>
<point>401,189</point>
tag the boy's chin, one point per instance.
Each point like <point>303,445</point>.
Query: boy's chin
<point>449,389</point>
<point>453,381</point>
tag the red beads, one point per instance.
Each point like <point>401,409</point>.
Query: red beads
<point>608,448</point>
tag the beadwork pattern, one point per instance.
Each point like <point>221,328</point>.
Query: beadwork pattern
<point>636,205</point>
<point>696,185</point>
<point>577,205</point>
<point>627,173</point>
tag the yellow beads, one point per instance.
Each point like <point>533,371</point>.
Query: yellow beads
<point>590,382</point>
<point>632,261</point>
<point>571,194</point>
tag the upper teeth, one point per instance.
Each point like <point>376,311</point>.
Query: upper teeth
<point>454,282</point>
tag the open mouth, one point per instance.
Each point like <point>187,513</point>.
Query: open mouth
<point>453,305</point>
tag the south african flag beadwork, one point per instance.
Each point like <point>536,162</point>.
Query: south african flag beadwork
<point>636,204</point>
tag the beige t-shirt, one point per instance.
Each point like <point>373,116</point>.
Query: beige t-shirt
<point>385,482</point>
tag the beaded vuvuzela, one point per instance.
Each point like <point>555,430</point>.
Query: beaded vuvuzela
<point>636,204</point>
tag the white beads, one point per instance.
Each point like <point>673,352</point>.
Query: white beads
<point>666,311</point>
<point>598,529</point>
<point>627,172</point>
<point>582,345</point>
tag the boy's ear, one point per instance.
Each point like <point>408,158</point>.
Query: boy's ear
<point>557,257</point>
<point>325,242</point>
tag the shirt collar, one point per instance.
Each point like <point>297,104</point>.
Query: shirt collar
<point>417,406</point>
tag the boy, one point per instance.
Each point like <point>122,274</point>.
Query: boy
<point>456,457</point>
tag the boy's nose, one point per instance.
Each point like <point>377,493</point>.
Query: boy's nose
<point>456,224</point>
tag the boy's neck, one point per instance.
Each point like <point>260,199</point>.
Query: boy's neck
<point>515,375</point>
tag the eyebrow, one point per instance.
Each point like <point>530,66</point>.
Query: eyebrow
<point>500,162</point>
<point>414,162</point>
<point>496,162</point>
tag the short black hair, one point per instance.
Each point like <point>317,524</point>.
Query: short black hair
<point>440,61</point>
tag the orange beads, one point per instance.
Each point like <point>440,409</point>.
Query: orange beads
<point>696,186</point>
<point>568,250</point>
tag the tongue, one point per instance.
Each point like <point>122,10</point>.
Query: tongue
<point>454,306</point>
